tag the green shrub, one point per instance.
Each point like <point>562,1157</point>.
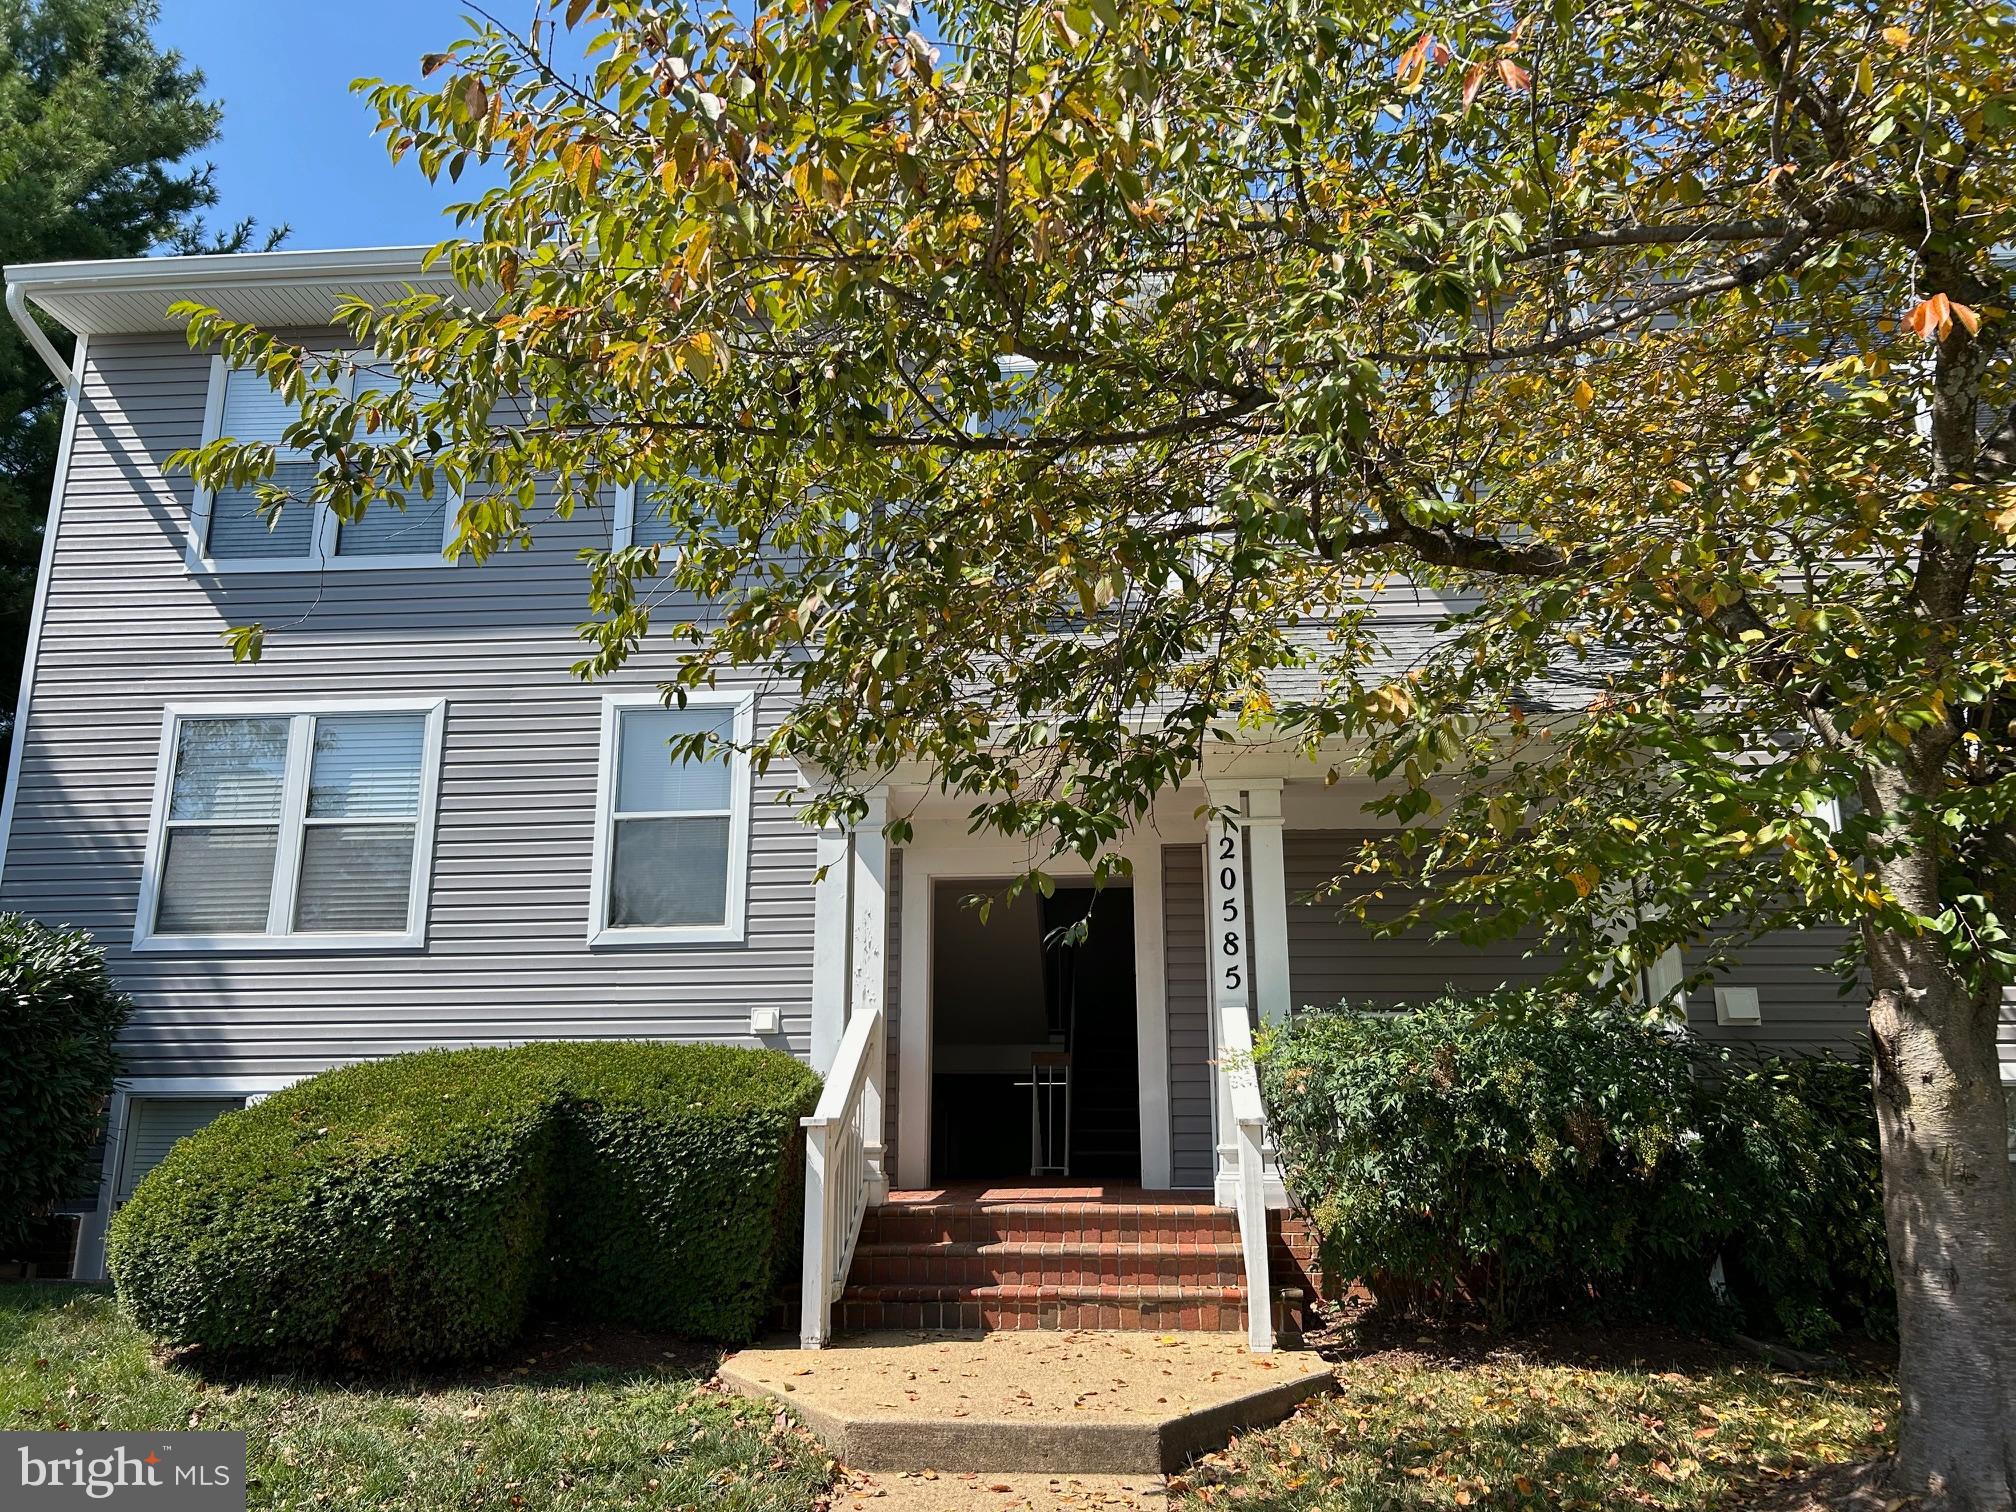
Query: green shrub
<point>1515,1151</point>
<point>59,1018</point>
<point>1529,1154</point>
<point>1802,1182</point>
<point>416,1210</point>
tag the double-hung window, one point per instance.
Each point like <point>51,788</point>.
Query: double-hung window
<point>229,533</point>
<point>307,828</point>
<point>671,837</point>
<point>641,520</point>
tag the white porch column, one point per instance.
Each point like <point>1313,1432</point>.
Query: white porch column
<point>869,976</point>
<point>1151,1013</point>
<point>832,924</point>
<point>913,1092</point>
<point>1269,870</point>
<point>1226,964</point>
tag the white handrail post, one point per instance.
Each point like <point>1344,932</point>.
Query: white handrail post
<point>876,1171</point>
<point>815,1308</point>
<point>1253,1235</point>
<point>839,1182</point>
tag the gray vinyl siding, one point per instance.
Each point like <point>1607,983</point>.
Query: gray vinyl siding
<point>1192,1160</point>
<point>1798,995</point>
<point>128,629</point>
<point>1333,957</point>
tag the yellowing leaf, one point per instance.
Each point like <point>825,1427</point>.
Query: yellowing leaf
<point>1897,36</point>
<point>1933,317</point>
<point>1582,394</point>
<point>1410,65</point>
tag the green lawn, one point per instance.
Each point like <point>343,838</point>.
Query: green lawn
<point>1508,1431</point>
<point>533,1433</point>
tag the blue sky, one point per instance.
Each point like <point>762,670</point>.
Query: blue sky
<point>297,146</point>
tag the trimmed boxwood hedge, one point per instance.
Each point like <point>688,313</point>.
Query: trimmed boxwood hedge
<point>416,1210</point>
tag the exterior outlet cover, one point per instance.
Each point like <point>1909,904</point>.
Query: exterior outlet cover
<point>1737,1005</point>
<point>770,1020</point>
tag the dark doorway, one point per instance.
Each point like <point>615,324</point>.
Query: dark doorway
<point>1017,1000</point>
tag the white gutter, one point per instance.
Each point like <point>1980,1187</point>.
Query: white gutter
<point>240,269</point>
<point>17,306</point>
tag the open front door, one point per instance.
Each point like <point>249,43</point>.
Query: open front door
<point>1034,1052</point>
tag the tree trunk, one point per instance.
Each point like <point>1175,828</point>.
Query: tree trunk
<point>1949,1200</point>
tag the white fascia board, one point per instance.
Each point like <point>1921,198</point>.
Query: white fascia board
<point>235,269</point>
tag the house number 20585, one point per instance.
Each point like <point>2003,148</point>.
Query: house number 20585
<point>1232,943</point>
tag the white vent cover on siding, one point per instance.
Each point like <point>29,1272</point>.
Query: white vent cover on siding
<point>153,1124</point>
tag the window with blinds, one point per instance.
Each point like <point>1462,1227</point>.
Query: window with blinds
<point>385,530</point>
<point>230,531</point>
<point>671,830</point>
<point>643,519</point>
<point>238,532</point>
<point>303,828</point>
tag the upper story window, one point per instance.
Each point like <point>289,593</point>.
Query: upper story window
<point>306,828</point>
<point>1018,401</point>
<point>641,519</point>
<point>671,835</point>
<point>227,532</point>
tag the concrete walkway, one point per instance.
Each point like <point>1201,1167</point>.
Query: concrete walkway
<point>1033,1403</point>
<point>931,1491</point>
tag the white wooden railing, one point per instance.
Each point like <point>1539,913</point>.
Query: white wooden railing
<point>844,1170</point>
<point>1249,1125</point>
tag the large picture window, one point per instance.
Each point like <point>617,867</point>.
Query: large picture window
<point>671,831</point>
<point>227,532</point>
<point>306,828</point>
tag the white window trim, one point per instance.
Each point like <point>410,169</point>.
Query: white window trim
<point>321,554</point>
<point>287,861</point>
<point>625,531</point>
<point>735,913</point>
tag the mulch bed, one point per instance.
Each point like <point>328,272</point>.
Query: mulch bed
<point>1358,1330</point>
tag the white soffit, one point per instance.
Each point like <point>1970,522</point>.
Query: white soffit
<point>270,289</point>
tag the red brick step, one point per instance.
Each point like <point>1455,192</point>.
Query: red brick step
<point>1031,1259</point>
